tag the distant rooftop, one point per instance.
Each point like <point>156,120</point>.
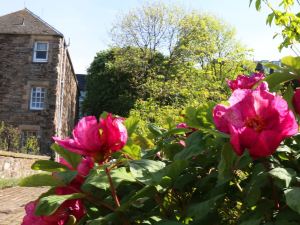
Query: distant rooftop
<point>25,22</point>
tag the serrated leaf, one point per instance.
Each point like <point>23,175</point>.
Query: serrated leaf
<point>70,157</point>
<point>48,166</point>
<point>48,205</point>
<point>40,180</point>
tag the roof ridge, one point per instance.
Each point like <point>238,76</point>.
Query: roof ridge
<point>43,21</point>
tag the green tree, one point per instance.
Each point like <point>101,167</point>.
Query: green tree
<point>165,58</point>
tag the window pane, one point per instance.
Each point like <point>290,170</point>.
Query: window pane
<point>37,100</point>
<point>41,47</point>
<point>41,55</point>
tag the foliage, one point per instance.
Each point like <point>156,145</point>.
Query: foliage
<point>9,137</point>
<point>11,140</point>
<point>185,173</point>
<point>286,17</point>
<point>6,183</point>
<point>165,58</point>
<point>181,175</point>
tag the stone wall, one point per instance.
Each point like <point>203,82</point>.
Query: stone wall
<point>16,165</point>
<point>67,94</point>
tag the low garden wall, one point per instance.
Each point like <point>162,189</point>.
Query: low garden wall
<point>16,165</point>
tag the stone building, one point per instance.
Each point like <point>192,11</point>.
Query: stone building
<point>38,86</point>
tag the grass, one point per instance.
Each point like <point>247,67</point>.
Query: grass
<point>5,183</point>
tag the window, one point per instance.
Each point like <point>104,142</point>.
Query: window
<point>30,141</point>
<point>37,99</point>
<point>26,134</point>
<point>40,52</point>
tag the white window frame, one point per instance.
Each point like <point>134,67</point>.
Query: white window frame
<point>37,98</point>
<point>35,59</point>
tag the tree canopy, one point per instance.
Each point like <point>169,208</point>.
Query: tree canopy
<point>162,57</point>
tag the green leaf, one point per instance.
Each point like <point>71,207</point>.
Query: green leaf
<point>168,222</point>
<point>177,131</point>
<point>258,5</point>
<point>134,151</point>
<point>39,180</point>
<point>194,147</point>
<point>49,166</point>
<point>253,195</point>
<point>48,205</point>
<point>139,197</point>
<point>66,176</point>
<point>143,170</point>
<point>172,171</point>
<point>282,176</point>
<point>270,18</point>
<point>70,157</point>
<point>155,130</point>
<point>201,210</point>
<point>292,196</point>
<point>288,96</point>
<point>277,78</point>
<point>292,62</point>
<point>111,218</point>
<point>131,124</point>
<point>98,178</point>
<point>228,158</point>
<point>251,222</point>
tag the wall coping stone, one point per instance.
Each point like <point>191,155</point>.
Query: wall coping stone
<point>22,155</point>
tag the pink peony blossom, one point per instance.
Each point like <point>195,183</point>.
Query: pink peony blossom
<point>245,82</point>
<point>60,216</point>
<point>256,120</point>
<point>96,139</point>
<point>296,101</point>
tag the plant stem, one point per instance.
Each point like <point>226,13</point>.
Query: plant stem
<point>112,188</point>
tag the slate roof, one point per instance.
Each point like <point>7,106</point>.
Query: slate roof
<point>25,22</point>
<point>81,78</point>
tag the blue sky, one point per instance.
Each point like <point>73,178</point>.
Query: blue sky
<point>87,23</point>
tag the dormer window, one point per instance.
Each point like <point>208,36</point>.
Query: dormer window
<point>40,51</point>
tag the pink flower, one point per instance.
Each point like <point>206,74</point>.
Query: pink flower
<point>96,139</point>
<point>182,125</point>
<point>296,101</point>
<point>60,216</point>
<point>245,82</point>
<point>256,120</point>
